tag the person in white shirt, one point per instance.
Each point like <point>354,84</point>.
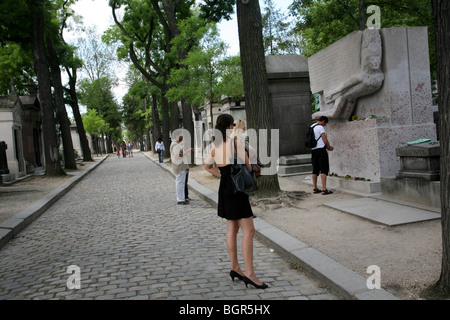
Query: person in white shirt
<point>319,156</point>
<point>130,149</point>
<point>180,166</point>
<point>159,147</point>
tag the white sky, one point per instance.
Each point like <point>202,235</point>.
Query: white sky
<point>98,13</point>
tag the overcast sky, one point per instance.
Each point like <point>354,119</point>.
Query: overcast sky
<point>98,13</point>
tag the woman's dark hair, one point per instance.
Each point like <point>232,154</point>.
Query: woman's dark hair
<point>222,124</point>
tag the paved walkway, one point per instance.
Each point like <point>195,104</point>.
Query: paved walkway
<point>122,228</point>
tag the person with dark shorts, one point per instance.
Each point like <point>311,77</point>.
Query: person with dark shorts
<point>319,156</point>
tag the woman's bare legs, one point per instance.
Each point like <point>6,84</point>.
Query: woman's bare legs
<point>248,230</point>
<point>233,228</point>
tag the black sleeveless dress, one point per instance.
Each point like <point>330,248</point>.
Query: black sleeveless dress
<point>232,206</point>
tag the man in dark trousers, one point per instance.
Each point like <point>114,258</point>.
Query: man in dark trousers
<point>319,156</point>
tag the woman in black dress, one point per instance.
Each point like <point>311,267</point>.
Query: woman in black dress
<point>233,207</point>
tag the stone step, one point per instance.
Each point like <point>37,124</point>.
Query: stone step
<point>294,160</point>
<point>294,169</point>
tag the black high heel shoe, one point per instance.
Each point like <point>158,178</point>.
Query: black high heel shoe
<point>257,286</point>
<point>234,274</point>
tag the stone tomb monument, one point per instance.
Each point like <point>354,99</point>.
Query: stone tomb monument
<point>290,95</point>
<point>417,181</point>
<point>381,79</point>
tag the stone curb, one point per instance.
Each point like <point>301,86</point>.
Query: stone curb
<point>12,226</point>
<point>340,279</point>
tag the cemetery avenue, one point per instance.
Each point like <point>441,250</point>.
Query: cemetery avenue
<point>131,241</point>
<point>121,226</point>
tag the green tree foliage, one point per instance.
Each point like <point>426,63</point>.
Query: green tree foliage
<point>277,34</point>
<point>93,123</point>
<point>231,82</point>
<point>15,63</point>
<point>198,82</point>
<point>16,59</point>
<point>216,10</point>
<point>15,23</point>
<point>98,95</point>
<point>322,22</point>
<point>135,113</point>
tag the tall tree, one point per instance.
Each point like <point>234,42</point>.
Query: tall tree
<point>52,163</point>
<point>199,81</point>
<point>71,68</point>
<point>63,119</point>
<point>99,62</point>
<point>276,30</point>
<point>441,17</point>
<point>134,110</point>
<point>145,42</point>
<point>151,35</point>
<point>71,63</point>
<point>257,100</point>
<point>98,95</point>
<point>98,57</point>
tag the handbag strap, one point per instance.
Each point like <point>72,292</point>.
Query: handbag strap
<point>235,151</point>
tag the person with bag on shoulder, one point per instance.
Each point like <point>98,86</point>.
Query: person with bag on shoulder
<point>239,133</point>
<point>234,207</point>
<point>319,156</point>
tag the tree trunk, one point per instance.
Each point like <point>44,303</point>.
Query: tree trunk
<point>188,124</point>
<point>362,14</point>
<point>174,116</point>
<point>166,122</point>
<point>441,14</point>
<point>52,164</point>
<point>257,100</point>
<point>170,9</point>
<point>64,123</point>
<point>155,117</point>
<point>87,156</point>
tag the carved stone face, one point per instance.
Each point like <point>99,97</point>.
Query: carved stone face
<point>373,62</point>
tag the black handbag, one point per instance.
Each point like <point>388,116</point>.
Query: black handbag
<point>242,179</point>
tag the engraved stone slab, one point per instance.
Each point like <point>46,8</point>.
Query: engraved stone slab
<point>335,64</point>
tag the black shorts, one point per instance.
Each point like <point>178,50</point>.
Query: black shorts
<point>320,163</point>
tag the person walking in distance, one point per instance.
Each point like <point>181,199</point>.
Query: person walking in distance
<point>130,148</point>
<point>123,146</point>
<point>319,156</point>
<point>159,147</point>
<point>234,207</point>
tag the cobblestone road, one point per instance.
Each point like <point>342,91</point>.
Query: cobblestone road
<point>122,227</point>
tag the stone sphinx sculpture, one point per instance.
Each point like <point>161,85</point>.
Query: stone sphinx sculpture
<point>368,80</point>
